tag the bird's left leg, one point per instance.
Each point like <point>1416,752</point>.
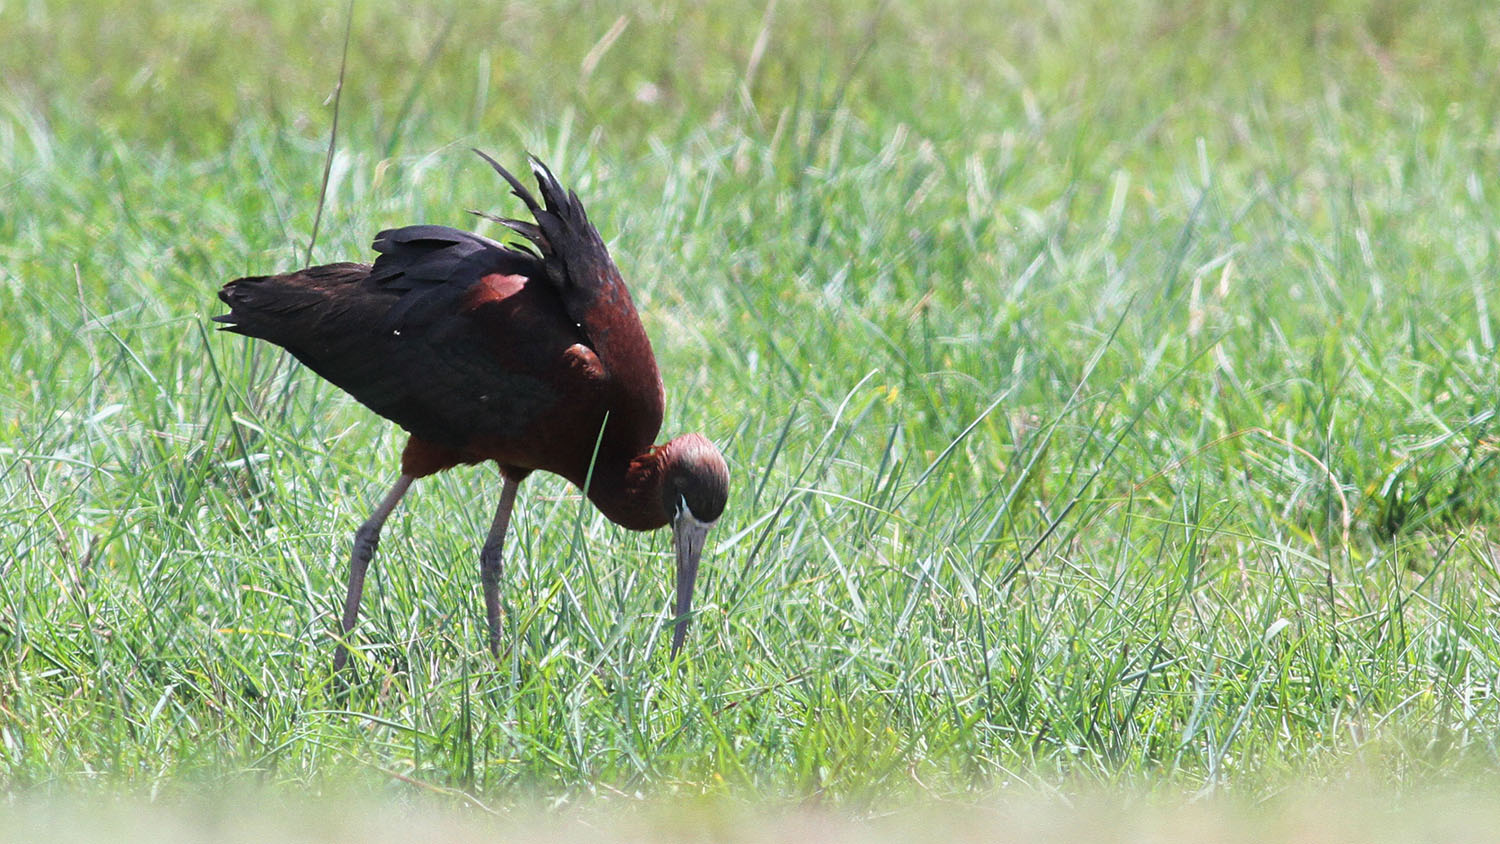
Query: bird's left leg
<point>489,559</point>
<point>365,540</point>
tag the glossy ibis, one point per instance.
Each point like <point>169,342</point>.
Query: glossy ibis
<point>530,356</point>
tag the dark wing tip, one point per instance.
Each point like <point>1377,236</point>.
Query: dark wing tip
<point>563,203</point>
<point>560,209</point>
<point>515,184</point>
<point>530,231</point>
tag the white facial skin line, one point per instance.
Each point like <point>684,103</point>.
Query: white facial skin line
<point>685,512</point>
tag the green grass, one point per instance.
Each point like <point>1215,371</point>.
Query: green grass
<point>1110,392</point>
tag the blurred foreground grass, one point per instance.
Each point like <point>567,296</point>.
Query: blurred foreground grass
<point>1332,817</point>
<point>1110,391</point>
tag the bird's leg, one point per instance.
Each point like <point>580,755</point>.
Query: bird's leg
<point>365,540</point>
<point>489,560</point>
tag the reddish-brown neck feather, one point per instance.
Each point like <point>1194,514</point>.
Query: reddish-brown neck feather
<point>618,339</point>
<point>630,494</point>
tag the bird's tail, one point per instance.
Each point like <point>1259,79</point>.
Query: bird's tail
<point>267,306</point>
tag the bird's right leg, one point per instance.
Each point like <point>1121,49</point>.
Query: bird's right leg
<point>365,540</point>
<point>489,560</point>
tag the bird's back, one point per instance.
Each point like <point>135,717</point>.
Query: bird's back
<point>447,335</point>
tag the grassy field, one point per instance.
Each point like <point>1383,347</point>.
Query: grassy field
<point>1110,392</point>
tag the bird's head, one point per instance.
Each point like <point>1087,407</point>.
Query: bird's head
<point>695,488</point>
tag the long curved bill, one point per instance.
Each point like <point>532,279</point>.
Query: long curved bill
<point>688,534</point>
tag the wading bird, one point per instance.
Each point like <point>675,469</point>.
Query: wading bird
<point>534,359</point>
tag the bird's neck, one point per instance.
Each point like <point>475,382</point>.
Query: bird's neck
<point>629,491</point>
<point>619,341</point>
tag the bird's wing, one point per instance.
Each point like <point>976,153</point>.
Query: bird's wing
<point>450,335</point>
<point>433,267</point>
<point>579,268</point>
